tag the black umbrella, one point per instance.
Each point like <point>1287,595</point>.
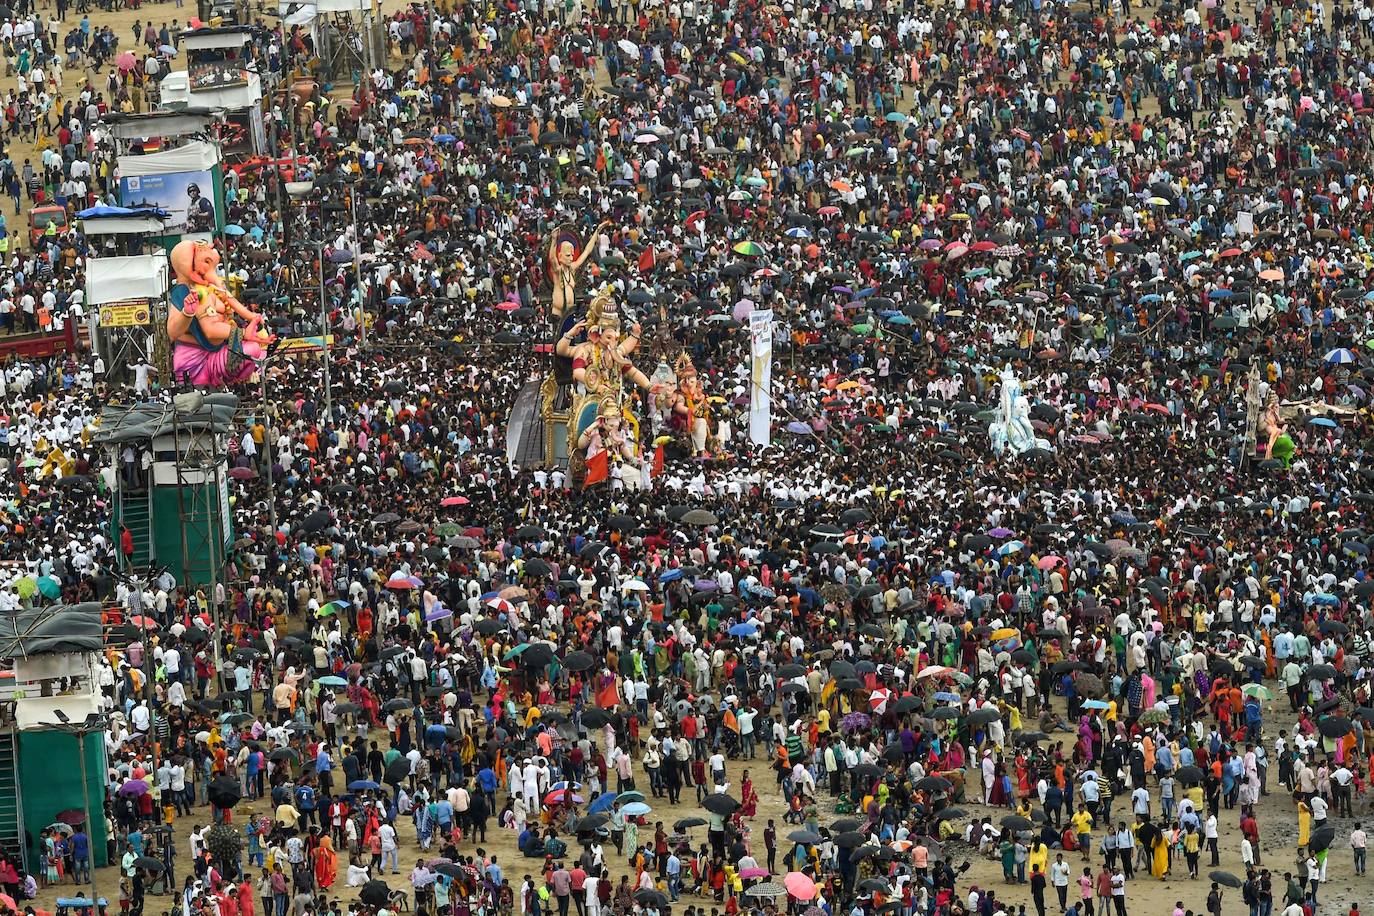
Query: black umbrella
<point>791,671</point>
<point>865,772</point>
<point>804,837</point>
<point>579,661</point>
<point>687,823</point>
<point>1226,878</point>
<point>851,839</point>
<point>905,704</point>
<point>718,803</point>
<point>595,718</point>
<point>396,771</point>
<point>1017,822</point>
<point>148,863</point>
<point>489,626</point>
<point>593,822</point>
<point>375,893</point>
<point>984,716</point>
<point>537,567</point>
<point>933,784</point>
<point>1334,726</point>
<point>224,791</point>
<point>1322,839</point>
<point>650,896</point>
<point>1189,775</point>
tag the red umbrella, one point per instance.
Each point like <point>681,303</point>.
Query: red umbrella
<point>454,501</point>
<point>694,217</point>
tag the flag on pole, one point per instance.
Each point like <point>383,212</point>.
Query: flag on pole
<point>598,468</point>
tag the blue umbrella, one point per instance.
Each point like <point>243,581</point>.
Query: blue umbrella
<point>1340,356</point>
<point>333,680</point>
<point>601,803</point>
<point>1096,704</point>
<point>1010,547</point>
<point>671,575</point>
<point>636,809</point>
<point>563,784</point>
<point>445,138</point>
<point>234,229</point>
<point>944,696</point>
<point>1323,421</point>
<point>748,628</point>
<point>361,785</point>
<point>398,300</point>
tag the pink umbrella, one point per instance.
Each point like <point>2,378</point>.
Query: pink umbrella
<point>1049,562</point>
<point>748,873</point>
<point>125,62</point>
<point>799,886</point>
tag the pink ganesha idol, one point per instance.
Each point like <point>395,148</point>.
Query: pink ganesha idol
<point>208,345</point>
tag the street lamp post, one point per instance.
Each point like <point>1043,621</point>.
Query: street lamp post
<point>267,453</point>
<point>94,724</point>
<point>324,338</point>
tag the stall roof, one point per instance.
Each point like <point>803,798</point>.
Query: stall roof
<point>147,421</point>
<point>183,122</point>
<point>59,628</point>
<point>202,39</point>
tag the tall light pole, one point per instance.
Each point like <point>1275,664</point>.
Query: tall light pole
<point>337,257</point>
<point>267,452</point>
<point>324,334</point>
<point>353,182</point>
<point>95,723</point>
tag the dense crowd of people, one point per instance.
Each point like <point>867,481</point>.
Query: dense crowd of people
<point>925,650</point>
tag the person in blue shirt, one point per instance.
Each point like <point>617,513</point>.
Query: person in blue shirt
<point>324,767</point>
<point>305,804</point>
<point>81,856</point>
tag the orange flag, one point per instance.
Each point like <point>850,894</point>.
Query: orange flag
<point>657,470</point>
<point>646,260</point>
<point>608,697</point>
<point>598,468</point>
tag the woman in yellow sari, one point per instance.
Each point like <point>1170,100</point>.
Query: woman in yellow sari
<point>1159,861</point>
<point>1304,824</point>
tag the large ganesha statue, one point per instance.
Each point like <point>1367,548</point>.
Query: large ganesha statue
<point>210,346</point>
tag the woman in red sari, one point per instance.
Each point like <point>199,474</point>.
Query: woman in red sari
<point>326,863</point>
<point>749,799</point>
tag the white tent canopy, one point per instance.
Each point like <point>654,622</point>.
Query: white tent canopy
<point>142,276</point>
<point>198,156</point>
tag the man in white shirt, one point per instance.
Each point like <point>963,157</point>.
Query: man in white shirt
<point>1358,847</point>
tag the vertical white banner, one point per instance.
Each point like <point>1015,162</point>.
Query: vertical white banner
<point>760,391</point>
